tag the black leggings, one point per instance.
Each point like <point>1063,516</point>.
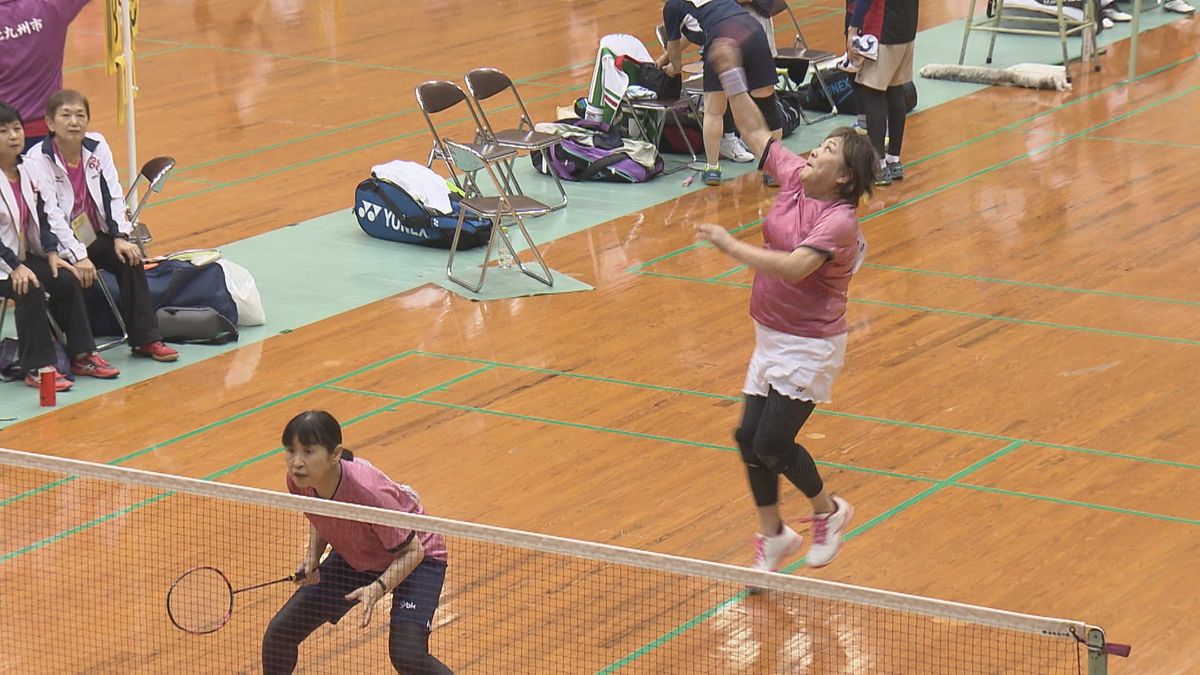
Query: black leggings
<point>767,439</point>
<point>408,642</point>
<point>886,112</point>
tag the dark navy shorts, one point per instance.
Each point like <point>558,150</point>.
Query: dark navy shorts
<point>757,60</point>
<point>414,600</point>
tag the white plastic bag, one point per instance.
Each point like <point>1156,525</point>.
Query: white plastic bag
<point>241,286</point>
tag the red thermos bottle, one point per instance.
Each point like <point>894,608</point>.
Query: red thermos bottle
<point>47,389</point>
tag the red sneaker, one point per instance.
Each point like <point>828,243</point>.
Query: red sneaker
<point>157,351</point>
<point>61,383</point>
<point>93,365</point>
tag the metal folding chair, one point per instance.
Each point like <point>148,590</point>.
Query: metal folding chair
<point>154,173</point>
<point>484,83</point>
<point>112,303</point>
<point>473,158</point>
<point>438,96</point>
<point>1058,25</point>
<point>667,107</point>
<point>800,54</point>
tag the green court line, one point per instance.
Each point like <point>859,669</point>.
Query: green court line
<point>316,160</point>
<point>729,272</point>
<point>853,533</point>
<point>960,313</point>
<point>1143,141</point>
<point>82,527</point>
<point>1036,116</point>
<point>1033,284</point>
<point>137,55</point>
<point>202,181</point>
<point>212,425</point>
<point>227,470</point>
<point>1024,322</point>
<point>952,481</point>
<point>284,57</point>
<point>821,411</point>
<point>1028,154</point>
<point>383,118</point>
<point>1075,502</point>
<point>996,280</point>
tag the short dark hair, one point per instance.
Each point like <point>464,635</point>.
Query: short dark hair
<point>861,163</point>
<point>64,96</point>
<point>315,427</point>
<point>9,114</point>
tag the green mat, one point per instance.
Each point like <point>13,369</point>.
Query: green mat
<point>511,283</point>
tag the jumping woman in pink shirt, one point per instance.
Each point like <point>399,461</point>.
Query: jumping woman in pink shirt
<point>367,562</point>
<point>812,245</point>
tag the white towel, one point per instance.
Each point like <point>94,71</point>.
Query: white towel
<point>424,185</point>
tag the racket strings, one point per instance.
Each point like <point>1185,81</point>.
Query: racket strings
<point>200,601</point>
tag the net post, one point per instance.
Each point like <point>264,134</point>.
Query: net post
<point>1097,661</point>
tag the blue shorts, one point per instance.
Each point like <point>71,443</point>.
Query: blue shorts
<point>414,600</point>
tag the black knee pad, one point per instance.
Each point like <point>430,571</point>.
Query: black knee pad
<point>777,454</point>
<point>770,111</point>
<point>745,442</point>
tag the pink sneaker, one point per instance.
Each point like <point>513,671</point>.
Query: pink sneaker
<point>93,365</point>
<point>827,532</point>
<point>771,552</point>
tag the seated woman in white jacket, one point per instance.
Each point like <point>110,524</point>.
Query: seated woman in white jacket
<point>79,165</point>
<point>30,268</point>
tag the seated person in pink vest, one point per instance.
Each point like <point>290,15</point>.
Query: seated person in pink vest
<point>79,166</point>
<point>30,267</point>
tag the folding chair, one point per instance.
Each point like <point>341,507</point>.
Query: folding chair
<point>665,107</point>
<point>472,158</point>
<point>1058,25</point>
<point>801,54</point>
<point>155,173</point>
<point>437,96</point>
<point>112,303</point>
<point>484,83</point>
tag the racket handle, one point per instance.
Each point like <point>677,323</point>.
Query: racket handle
<point>298,575</point>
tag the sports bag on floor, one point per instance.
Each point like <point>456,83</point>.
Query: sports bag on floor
<point>386,211</point>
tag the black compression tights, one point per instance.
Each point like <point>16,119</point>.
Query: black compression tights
<point>885,111</point>
<point>767,439</point>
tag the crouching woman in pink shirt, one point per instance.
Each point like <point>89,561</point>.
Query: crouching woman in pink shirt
<point>367,562</point>
<point>812,245</point>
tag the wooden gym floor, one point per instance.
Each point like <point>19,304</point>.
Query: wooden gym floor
<point>1016,422</point>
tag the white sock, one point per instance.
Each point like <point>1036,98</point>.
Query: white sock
<point>891,159</point>
<point>731,136</point>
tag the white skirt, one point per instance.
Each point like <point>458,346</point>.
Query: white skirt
<point>798,367</point>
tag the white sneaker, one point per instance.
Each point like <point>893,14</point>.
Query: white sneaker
<point>827,532</point>
<point>1178,6</point>
<point>733,148</point>
<point>1106,22</point>
<point>1116,15</point>
<point>771,552</point>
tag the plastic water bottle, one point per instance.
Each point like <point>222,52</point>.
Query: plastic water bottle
<point>504,260</point>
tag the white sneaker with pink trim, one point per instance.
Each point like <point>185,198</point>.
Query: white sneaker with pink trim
<point>828,529</point>
<point>771,552</point>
